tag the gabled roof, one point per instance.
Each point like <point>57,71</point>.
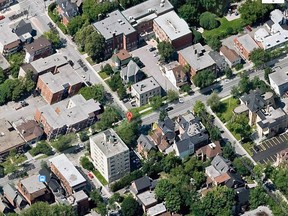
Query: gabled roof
<point>37,44</point>
<point>146,143</point>
<point>230,54</point>
<point>23,27</point>
<point>235,180</point>
<point>69,7</point>
<point>142,183</point>
<point>210,150</point>
<point>167,125</point>
<point>130,70</point>
<point>242,195</point>
<point>254,101</point>
<point>123,54</point>
<point>10,191</point>
<point>221,164</point>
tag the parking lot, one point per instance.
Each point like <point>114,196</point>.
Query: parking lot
<point>267,150</point>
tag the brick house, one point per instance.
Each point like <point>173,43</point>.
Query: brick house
<point>67,9</point>
<point>245,45</point>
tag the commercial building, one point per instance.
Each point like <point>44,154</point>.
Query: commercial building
<point>118,33</point>
<point>39,48</point>
<point>33,190</point>
<point>245,45</point>
<point>57,87</point>
<point>67,9</point>
<point>142,91</point>
<point>141,16</point>
<point>9,41</point>
<point>170,27</point>
<point>198,58</point>
<point>43,65</point>
<point>70,115</point>
<point>71,179</point>
<point>9,138</point>
<point>279,81</point>
<point>231,57</point>
<point>110,155</point>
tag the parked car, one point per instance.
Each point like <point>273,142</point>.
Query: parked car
<point>248,27</point>
<point>24,103</point>
<point>151,49</point>
<point>90,175</point>
<point>2,17</point>
<point>181,100</point>
<point>169,109</point>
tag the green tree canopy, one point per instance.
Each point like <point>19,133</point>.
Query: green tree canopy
<point>239,124</point>
<point>163,114</point>
<point>166,50</point>
<point>128,132</point>
<point>172,95</point>
<point>108,117</point>
<point>130,207</point>
<point>95,92</point>
<point>75,24</point>
<point>259,57</point>
<point>189,13</point>
<point>163,187</point>
<point>204,78</point>
<point>95,46</point>
<point>156,102</point>
<point>53,37</point>
<point>86,163</point>
<point>199,107</point>
<point>214,43</point>
<point>239,166</point>
<point>214,102</point>
<point>258,197</point>
<point>208,20</point>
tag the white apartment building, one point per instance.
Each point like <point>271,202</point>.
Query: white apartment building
<point>110,155</point>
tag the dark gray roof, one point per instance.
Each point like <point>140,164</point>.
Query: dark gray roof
<point>254,101</point>
<point>235,180</point>
<point>145,142</point>
<point>142,183</point>
<point>10,191</point>
<point>221,164</point>
<point>130,70</point>
<point>219,59</point>
<point>184,145</point>
<point>242,195</point>
<point>167,125</point>
<point>269,23</point>
<point>23,27</point>
<point>70,9</point>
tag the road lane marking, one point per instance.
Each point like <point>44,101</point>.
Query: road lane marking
<point>272,159</point>
<point>263,147</point>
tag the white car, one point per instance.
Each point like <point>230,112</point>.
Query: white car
<point>181,100</point>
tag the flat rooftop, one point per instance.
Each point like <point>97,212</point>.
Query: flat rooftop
<point>145,85</point>
<point>9,137</point>
<point>109,143</point>
<point>57,82</point>
<point>280,76</point>
<point>43,64</point>
<point>174,26</point>
<point>67,170</point>
<point>69,111</point>
<point>156,210</point>
<point>197,57</point>
<point>32,184</point>
<point>147,10</point>
<point>147,198</point>
<point>114,24</point>
<point>247,42</point>
<point>6,35</point>
<point>4,64</point>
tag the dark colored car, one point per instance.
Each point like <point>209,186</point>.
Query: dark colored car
<point>256,148</point>
<point>2,17</point>
<point>24,103</point>
<point>248,27</point>
<point>151,49</point>
<point>169,109</point>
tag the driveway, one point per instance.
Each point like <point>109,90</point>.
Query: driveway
<point>151,66</point>
<point>268,149</point>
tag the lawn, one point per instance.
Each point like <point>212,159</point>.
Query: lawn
<point>103,75</point>
<point>236,24</point>
<point>226,110</point>
<point>12,163</point>
<point>91,62</point>
<point>247,146</point>
<point>100,177</point>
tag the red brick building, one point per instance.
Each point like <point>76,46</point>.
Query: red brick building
<point>56,87</point>
<point>245,45</point>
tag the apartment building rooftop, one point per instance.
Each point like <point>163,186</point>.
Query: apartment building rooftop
<point>37,45</point>
<point>6,35</point>
<point>197,57</point>
<point>280,76</point>
<point>156,210</point>
<point>67,170</point>
<point>70,111</point>
<point>57,82</point>
<point>147,10</point>
<point>247,42</point>
<point>32,184</point>
<point>145,85</point>
<point>109,143</point>
<point>174,26</point>
<point>114,24</point>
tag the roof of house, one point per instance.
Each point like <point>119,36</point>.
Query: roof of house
<point>10,191</point>
<point>221,164</point>
<point>69,7</point>
<point>123,54</point>
<point>147,10</point>
<point>212,171</point>
<point>142,183</point>
<point>247,42</point>
<point>69,111</point>
<point>184,145</point>
<point>80,195</point>
<point>7,37</point>
<point>130,70</point>
<point>177,69</point>
<point>269,23</point>
<point>254,101</point>
<point>4,64</point>
<point>210,150</point>
<point>59,81</point>
<point>156,210</point>
<point>67,170</point>
<point>30,130</point>
<point>222,178</point>
<point>276,16</point>
<point>235,180</point>
<point>9,137</point>
<point>114,24</point>
<point>145,142</point>
<point>280,76</point>
<point>32,184</point>
<point>109,143</point>
<point>230,54</point>
<point>242,195</point>
<point>173,26</point>
<point>219,59</point>
<point>147,198</point>
<point>197,57</point>
<point>23,27</point>
<point>37,44</point>
<point>145,85</point>
<point>55,60</point>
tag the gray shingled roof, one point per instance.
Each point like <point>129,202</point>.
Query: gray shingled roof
<point>145,142</point>
<point>130,70</point>
<point>221,164</point>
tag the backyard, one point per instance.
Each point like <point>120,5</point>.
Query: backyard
<point>226,28</point>
<point>227,106</point>
<point>100,177</point>
<point>12,162</point>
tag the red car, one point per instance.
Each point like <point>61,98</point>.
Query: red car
<point>248,27</point>
<point>90,175</point>
<point>2,17</point>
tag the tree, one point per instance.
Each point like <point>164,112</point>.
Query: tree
<point>29,82</point>
<point>163,114</point>
<point>128,131</point>
<point>99,202</point>
<point>63,142</point>
<point>42,147</point>
<point>108,69</point>
<point>172,95</point>
<point>130,207</point>
<point>53,37</point>
<point>115,82</point>
<point>75,24</point>
<point>199,107</point>
<point>239,124</point>
<point>86,163</point>
<point>82,35</point>
<point>129,3</point>
<point>156,102</point>
<point>219,7</point>
<point>197,37</point>
<point>186,88</point>
<point>228,72</point>
<point>189,13</point>
<point>259,57</point>
<point>244,86</point>
<point>280,179</point>
<point>2,76</point>
<point>204,78</point>
<point>258,197</point>
<point>228,152</point>
<point>239,166</point>
<point>267,71</point>
<point>122,92</point>
<point>235,92</point>
<point>95,92</point>
<point>173,200</point>
<point>214,43</point>
<point>16,60</point>
<point>163,187</point>
<point>83,136</point>
<point>95,46</point>
<point>208,20</point>
<point>165,50</point>
<point>214,102</point>
<point>108,117</point>
<point>44,209</point>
